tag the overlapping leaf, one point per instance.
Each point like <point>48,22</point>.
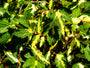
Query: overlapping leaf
<point>4,38</point>
<point>78,65</point>
<point>87,53</point>
<point>60,61</point>
<point>22,33</point>
<point>39,54</point>
<point>11,57</point>
<point>33,63</point>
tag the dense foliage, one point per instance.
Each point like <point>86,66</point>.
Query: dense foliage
<point>44,34</point>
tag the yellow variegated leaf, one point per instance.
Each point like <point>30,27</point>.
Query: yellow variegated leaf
<point>46,13</point>
<point>59,61</point>
<point>30,30</point>
<point>35,41</point>
<point>6,5</point>
<point>78,65</point>
<point>76,20</point>
<point>36,62</point>
<point>77,41</point>
<point>67,33</point>
<point>9,53</point>
<point>50,4</point>
<point>71,47</point>
<point>40,55</point>
<point>81,65</point>
<point>29,39</point>
<point>33,21</point>
<point>69,50</point>
<point>53,45</point>
<point>42,41</point>
<point>9,40</point>
<point>74,0</point>
<point>34,8</point>
<point>45,33</point>
<point>72,43</point>
<point>39,27</point>
<point>87,19</point>
<point>81,1</point>
<point>48,55</point>
<point>58,14</point>
<point>70,57</point>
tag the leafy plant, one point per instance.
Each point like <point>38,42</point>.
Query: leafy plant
<point>44,34</point>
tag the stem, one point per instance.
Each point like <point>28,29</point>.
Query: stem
<point>3,57</point>
<point>2,61</point>
<point>84,21</point>
<point>39,34</point>
<point>70,40</point>
<point>18,58</point>
<point>53,52</point>
<point>37,1</point>
<point>48,10</point>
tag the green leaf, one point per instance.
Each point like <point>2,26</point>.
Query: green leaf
<point>4,23</point>
<point>66,4</point>
<point>60,17</point>
<point>4,38</point>
<point>27,13</point>
<point>23,21</point>
<point>2,11</point>
<point>37,52</point>
<point>50,14</point>
<point>86,42</point>
<point>33,63</point>
<point>3,30</point>
<point>87,53</point>
<point>84,28</point>
<point>60,34</point>
<point>27,55</point>
<point>60,61</point>
<point>66,16</point>
<point>49,39</point>
<point>60,21</point>
<point>78,65</point>
<point>85,5</point>
<point>22,33</point>
<point>11,57</point>
<point>80,55</point>
<point>76,12</point>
